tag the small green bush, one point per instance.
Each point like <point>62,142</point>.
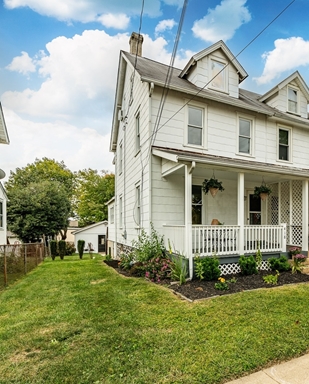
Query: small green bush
<point>247,265</point>
<point>53,249</point>
<point>80,248</point>
<point>69,248</point>
<point>207,268</point>
<point>280,264</point>
<point>148,247</point>
<point>61,248</point>
<point>179,269</point>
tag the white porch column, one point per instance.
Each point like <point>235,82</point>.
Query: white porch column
<point>305,215</point>
<point>188,217</point>
<point>241,210</point>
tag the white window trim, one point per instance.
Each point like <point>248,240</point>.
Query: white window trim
<point>290,153</point>
<point>112,214</point>
<point>225,71</point>
<point>298,99</point>
<point>252,143</point>
<point>204,129</point>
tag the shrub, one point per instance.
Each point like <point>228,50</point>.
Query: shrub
<point>53,249</point>
<point>280,264</point>
<point>179,270</point>
<point>297,264</point>
<point>148,247</point>
<point>126,260</point>
<point>271,279</point>
<point>207,268</point>
<point>247,265</point>
<point>69,248</point>
<point>61,248</point>
<point>157,268</point>
<point>80,248</point>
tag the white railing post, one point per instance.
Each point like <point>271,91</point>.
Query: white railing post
<point>283,239</point>
<point>240,210</point>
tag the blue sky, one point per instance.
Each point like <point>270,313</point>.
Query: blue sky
<point>59,58</point>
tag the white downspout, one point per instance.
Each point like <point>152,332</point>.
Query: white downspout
<point>188,215</point>
<point>151,89</point>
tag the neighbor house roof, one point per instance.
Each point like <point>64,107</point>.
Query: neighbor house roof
<point>90,226</point>
<point>4,137</point>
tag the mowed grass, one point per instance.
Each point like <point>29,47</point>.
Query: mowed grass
<point>78,321</point>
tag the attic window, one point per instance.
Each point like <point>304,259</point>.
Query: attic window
<point>217,75</point>
<point>292,100</point>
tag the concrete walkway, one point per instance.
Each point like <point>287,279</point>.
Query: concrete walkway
<point>295,371</point>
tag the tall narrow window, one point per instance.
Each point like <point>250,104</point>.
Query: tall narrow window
<point>1,214</point>
<point>284,146</point>
<point>195,126</point>
<point>120,212</point>
<point>244,136</point>
<point>217,75</point>
<point>138,133</point>
<point>112,214</point>
<point>197,204</point>
<point>120,158</point>
<point>138,205</point>
<point>292,100</point>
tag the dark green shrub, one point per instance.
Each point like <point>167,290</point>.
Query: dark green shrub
<point>69,248</point>
<point>280,264</point>
<point>53,249</point>
<point>61,248</point>
<point>247,265</point>
<point>207,268</point>
<point>80,248</point>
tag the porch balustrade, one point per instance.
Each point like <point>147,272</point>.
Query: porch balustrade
<point>223,240</point>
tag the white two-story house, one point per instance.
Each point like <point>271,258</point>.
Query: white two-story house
<point>4,139</point>
<point>172,128</point>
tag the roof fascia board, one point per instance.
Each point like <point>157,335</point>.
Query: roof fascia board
<point>6,139</point>
<point>165,155</point>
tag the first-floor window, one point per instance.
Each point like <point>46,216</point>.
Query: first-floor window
<point>1,214</point>
<point>195,125</point>
<point>284,144</point>
<point>112,214</point>
<point>120,211</point>
<point>197,204</point>
<point>244,136</point>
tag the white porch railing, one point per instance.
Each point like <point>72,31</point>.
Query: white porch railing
<point>223,240</point>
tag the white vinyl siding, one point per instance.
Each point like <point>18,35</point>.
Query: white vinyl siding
<point>120,159</point>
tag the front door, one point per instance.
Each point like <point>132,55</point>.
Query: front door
<point>101,243</point>
<point>254,209</point>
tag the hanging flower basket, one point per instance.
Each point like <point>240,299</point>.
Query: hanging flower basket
<point>213,186</point>
<point>263,191</point>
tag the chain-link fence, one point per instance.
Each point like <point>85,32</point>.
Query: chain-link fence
<point>17,260</point>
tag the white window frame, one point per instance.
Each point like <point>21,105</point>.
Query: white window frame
<point>224,74</point>
<point>1,213</point>
<point>297,100</point>
<point>289,130</point>
<point>203,108</point>
<point>137,132</point>
<point>138,211</point>
<point>252,129</point>
<point>120,159</point>
<point>120,212</point>
<point>112,214</point>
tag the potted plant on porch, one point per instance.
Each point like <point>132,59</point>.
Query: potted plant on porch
<point>212,185</point>
<point>263,191</point>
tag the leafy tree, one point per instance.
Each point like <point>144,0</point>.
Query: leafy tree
<point>38,209</point>
<point>43,170</point>
<point>93,190</point>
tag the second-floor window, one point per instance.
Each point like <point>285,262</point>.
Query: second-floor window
<point>137,133</point>
<point>284,144</point>
<point>292,100</point>
<point>245,133</point>
<point>195,125</point>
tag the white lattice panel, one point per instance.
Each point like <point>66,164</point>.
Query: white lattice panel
<point>285,206</point>
<point>296,212</point>
<point>273,206</point>
<point>233,268</point>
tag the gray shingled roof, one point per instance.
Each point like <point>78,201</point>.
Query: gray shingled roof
<point>153,71</point>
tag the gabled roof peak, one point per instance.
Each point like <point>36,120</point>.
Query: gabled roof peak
<point>207,51</point>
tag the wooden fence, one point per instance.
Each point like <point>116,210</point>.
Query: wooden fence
<point>17,260</point>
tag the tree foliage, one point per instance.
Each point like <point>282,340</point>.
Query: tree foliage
<point>28,187</point>
<point>93,190</point>
<point>39,208</point>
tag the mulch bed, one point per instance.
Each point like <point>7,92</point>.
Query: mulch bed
<point>197,289</point>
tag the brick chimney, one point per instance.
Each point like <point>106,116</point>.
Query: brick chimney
<point>136,42</point>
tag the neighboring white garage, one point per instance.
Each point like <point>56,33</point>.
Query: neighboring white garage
<point>94,234</point>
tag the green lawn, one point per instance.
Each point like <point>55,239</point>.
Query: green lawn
<point>78,321</point>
